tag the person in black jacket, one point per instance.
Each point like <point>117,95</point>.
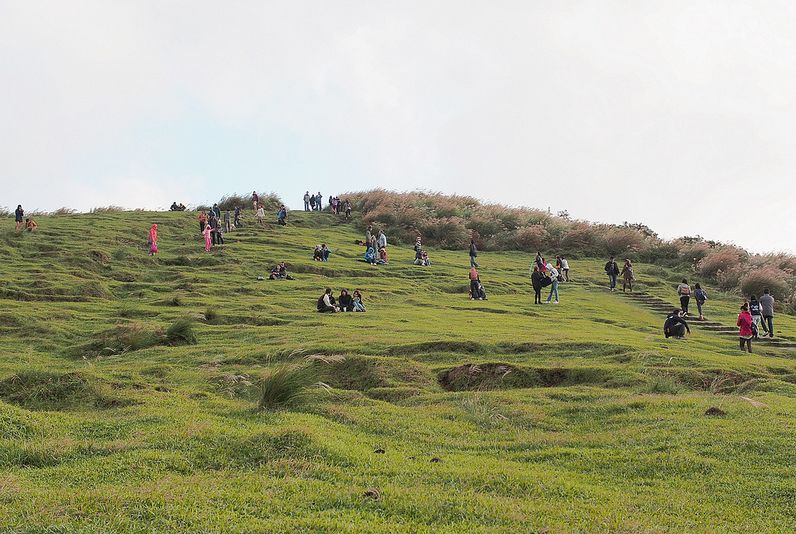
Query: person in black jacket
<point>19,214</point>
<point>346,301</point>
<point>536,281</point>
<point>612,270</point>
<point>675,326</point>
<point>473,254</point>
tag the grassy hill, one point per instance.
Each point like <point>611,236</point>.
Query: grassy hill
<point>440,413</point>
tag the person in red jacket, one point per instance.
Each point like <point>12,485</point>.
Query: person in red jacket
<point>745,328</point>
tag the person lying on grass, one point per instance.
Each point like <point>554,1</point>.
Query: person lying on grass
<point>326,303</point>
<point>675,326</point>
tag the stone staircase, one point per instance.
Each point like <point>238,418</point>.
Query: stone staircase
<point>659,305</point>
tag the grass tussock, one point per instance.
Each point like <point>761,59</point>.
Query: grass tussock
<point>288,384</point>
<point>181,333</point>
<point>41,390</point>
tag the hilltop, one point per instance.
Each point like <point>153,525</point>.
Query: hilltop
<point>437,412</point>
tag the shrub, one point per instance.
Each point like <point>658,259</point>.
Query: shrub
<point>730,278</point>
<point>181,333</point>
<point>722,259</point>
<point>755,281</point>
<point>64,211</point>
<point>107,209</point>
<point>530,238</point>
<point>622,241</point>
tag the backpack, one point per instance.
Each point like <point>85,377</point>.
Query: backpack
<point>685,291</point>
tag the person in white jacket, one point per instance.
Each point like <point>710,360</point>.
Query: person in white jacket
<point>554,286</point>
<point>382,242</point>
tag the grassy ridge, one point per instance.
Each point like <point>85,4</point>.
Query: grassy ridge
<point>598,424</point>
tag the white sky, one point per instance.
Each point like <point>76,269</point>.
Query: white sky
<point>677,114</point>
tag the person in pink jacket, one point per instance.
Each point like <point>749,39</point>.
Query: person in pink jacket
<point>745,328</point>
<point>208,240</point>
<point>153,240</point>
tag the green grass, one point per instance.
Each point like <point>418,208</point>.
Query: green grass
<point>576,417</point>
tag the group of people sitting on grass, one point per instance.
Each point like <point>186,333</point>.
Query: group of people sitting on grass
<point>321,253</point>
<point>346,302</point>
<point>375,247</point>
<point>421,256</point>
<point>279,272</point>
<point>177,207</point>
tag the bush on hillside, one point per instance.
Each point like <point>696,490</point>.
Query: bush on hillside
<point>107,209</point>
<point>269,201</point>
<point>622,241</point>
<point>730,278</point>
<point>722,259</point>
<point>286,385</point>
<point>755,281</point>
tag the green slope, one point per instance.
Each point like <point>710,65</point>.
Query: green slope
<point>577,417</point>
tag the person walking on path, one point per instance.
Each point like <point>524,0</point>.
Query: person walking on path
<point>281,215</point>
<point>206,232</point>
<point>564,268</point>
<point>700,296</point>
<point>767,307</point>
<point>307,201</point>
<point>19,215</point>
<point>675,326</point>
<point>255,200</point>
<point>473,254</point>
<point>553,273</point>
<point>347,208</point>
<point>260,216</point>
<point>536,282</point>
<point>153,240</point>
<point>612,270</point>
<point>745,331</point>
<point>627,276</point>
<point>756,311</point>
<point>236,222</point>
<point>684,290</point>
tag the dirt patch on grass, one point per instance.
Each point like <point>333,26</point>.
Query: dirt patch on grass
<point>471,376</point>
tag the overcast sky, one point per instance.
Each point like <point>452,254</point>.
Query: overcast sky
<point>677,114</point>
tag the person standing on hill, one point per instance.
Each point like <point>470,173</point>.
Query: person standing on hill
<point>418,245</point>
<point>281,215</point>
<point>473,254</point>
<point>347,208</point>
<point>700,296</point>
<point>236,221</point>
<point>312,202</point>
<point>307,201</point>
<point>745,330</point>
<point>368,235</point>
<point>536,282</point>
<point>206,232</point>
<point>382,241</point>
<point>153,240</point>
<point>260,216</point>
<point>202,221</point>
<point>540,262</point>
<point>19,215</point>
<point>767,307</point>
<point>756,311</point>
<point>565,268</point>
<point>227,223</point>
<point>684,290</point>
<point>627,276</point>
<point>318,201</point>
<point>255,200</point>
<point>612,270</point>
<point>217,211</point>
<point>675,326</point>
<point>553,274</point>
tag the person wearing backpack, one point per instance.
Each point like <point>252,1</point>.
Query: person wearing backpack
<point>700,296</point>
<point>612,270</point>
<point>684,290</point>
<point>756,311</point>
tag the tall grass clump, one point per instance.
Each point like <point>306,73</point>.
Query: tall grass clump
<point>107,209</point>
<point>181,333</point>
<point>286,385</point>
